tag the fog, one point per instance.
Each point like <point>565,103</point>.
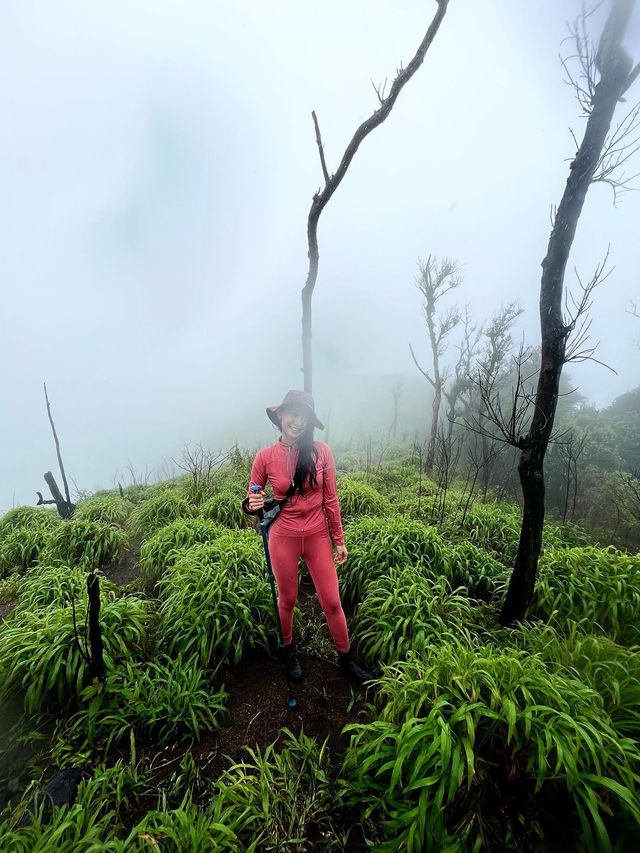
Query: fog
<point>158,162</point>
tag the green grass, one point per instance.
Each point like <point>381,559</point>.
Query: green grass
<point>160,551</point>
<point>404,613</point>
<point>358,499</point>
<point>597,588</point>
<point>106,510</point>
<point>157,511</point>
<point>453,728</point>
<point>225,508</point>
<point>90,544</point>
<point>377,545</point>
<point>216,600</point>
<point>38,653</point>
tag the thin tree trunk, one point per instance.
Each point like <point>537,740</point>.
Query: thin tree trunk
<point>332,182</point>
<point>55,436</point>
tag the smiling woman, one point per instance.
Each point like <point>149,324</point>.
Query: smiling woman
<point>302,474</point>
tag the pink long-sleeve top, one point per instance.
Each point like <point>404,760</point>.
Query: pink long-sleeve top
<point>306,513</point>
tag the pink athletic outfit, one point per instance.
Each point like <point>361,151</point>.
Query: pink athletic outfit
<point>301,531</point>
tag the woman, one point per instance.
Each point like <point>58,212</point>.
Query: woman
<point>303,471</point>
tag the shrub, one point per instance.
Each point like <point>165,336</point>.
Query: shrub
<point>225,508</point>
<point>161,550</point>
<point>404,613</point>
<point>28,516</point>
<point>57,586</point>
<point>216,600</point>
<point>494,527</point>
<point>278,798</point>
<point>87,543</point>
<point>470,729</point>
<point>104,800</point>
<point>21,547</point>
<point>358,499</point>
<point>597,588</point>
<point>156,512</point>
<point>377,545</point>
<point>162,699</point>
<point>106,510</point>
<point>476,570</point>
<point>610,669</point>
<point>38,651</point>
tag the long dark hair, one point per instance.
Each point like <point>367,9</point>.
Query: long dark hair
<point>307,458</point>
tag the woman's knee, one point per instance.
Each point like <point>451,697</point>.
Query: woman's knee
<point>332,609</point>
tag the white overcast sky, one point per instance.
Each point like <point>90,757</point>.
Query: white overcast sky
<point>157,163</point>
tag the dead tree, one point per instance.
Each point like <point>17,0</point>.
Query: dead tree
<point>436,279</point>
<point>64,504</point>
<point>333,181</point>
<point>492,370</point>
<point>592,162</point>
<point>396,391</point>
<point>571,450</point>
<point>461,384</point>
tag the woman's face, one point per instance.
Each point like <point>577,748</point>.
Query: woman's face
<point>293,422</point>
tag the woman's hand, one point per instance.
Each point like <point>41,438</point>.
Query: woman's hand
<point>256,501</point>
<point>341,554</point>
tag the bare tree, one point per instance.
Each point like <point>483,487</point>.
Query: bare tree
<point>461,384</point>
<point>599,100</point>
<point>492,369</point>
<point>332,181</point>
<point>396,391</point>
<point>436,279</point>
<point>201,464</point>
<point>64,504</point>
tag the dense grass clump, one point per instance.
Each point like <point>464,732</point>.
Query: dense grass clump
<point>28,516</point>
<point>475,727</point>
<point>597,588</point>
<point>84,542</point>
<point>225,508</point>
<point>609,668</point>
<point>281,792</point>
<point>405,613</point>
<point>216,600</point>
<point>38,651</point>
<point>24,534</point>
<point>106,510</point>
<point>493,527</point>
<point>162,699</point>
<point>57,586</point>
<point>358,499</point>
<point>156,512</point>
<point>161,550</point>
<point>377,545</point>
<point>21,547</point>
<point>476,570</point>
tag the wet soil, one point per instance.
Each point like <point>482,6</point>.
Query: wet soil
<point>5,609</point>
<point>127,568</point>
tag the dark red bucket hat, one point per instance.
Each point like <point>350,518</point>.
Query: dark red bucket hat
<point>295,398</point>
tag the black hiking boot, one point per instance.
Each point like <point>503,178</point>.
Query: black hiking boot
<point>350,667</point>
<point>291,664</point>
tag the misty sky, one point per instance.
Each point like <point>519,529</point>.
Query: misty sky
<point>158,161</point>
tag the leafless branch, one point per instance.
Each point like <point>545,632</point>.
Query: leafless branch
<point>577,322</point>
<point>380,90</point>
<point>332,182</point>
<point>422,371</point>
<point>320,147</point>
<point>510,422</point>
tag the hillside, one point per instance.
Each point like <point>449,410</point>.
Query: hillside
<point>471,738</point>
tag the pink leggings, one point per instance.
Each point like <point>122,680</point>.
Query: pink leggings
<point>317,551</point>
